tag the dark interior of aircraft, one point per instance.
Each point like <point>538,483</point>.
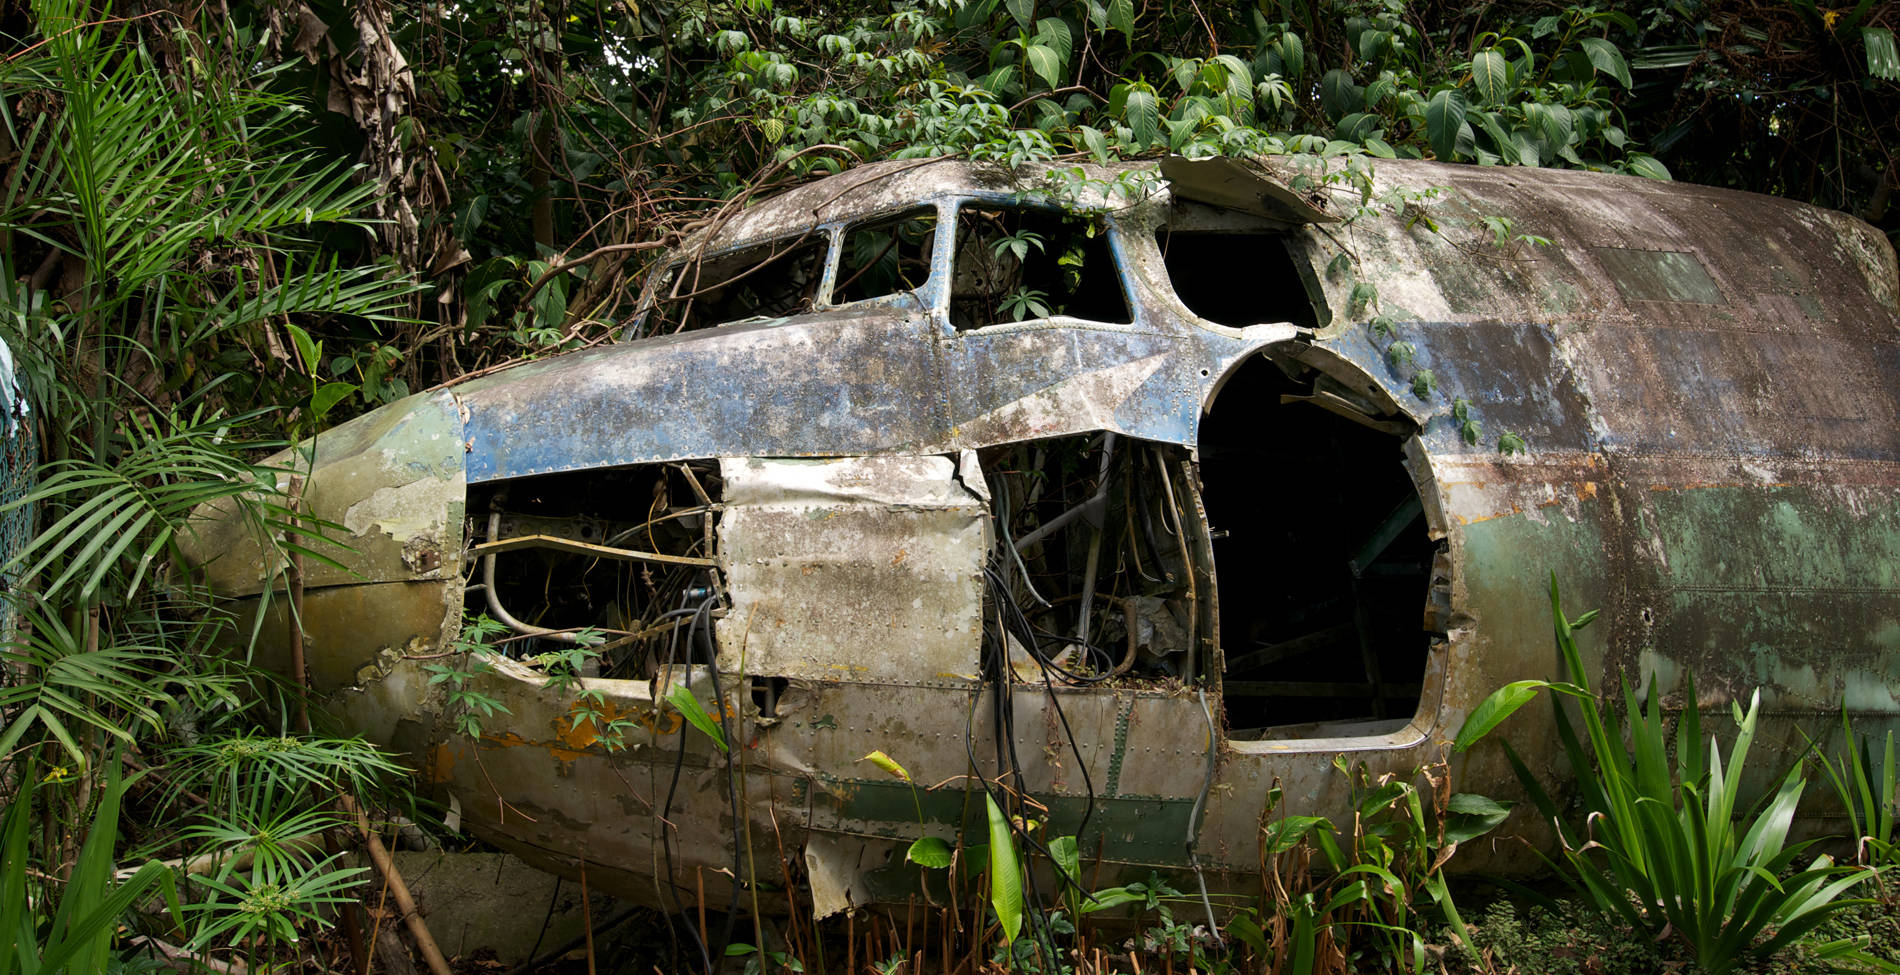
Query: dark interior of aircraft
<point>1322,558</point>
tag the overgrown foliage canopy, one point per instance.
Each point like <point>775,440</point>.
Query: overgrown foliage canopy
<point>503,138</point>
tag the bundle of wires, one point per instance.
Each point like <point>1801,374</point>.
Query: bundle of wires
<point>699,637</point>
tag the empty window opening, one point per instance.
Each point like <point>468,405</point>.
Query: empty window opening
<point>771,280</point>
<point>1098,540</point>
<point>619,558</point>
<point>885,256</point>
<point>1016,264</point>
<point>1324,563</point>
<point>1236,278</point>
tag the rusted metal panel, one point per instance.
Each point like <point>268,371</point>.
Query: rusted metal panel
<point>392,479</point>
<point>1135,782</point>
<point>860,383</point>
<point>863,569</point>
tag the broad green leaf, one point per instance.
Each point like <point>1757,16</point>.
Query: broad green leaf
<point>887,763</point>
<point>1380,89</point>
<point>1555,122</point>
<point>1357,127</point>
<point>1338,94</point>
<point>1006,875</point>
<point>327,396</point>
<point>1528,152</point>
<point>1144,115</point>
<point>1469,816</point>
<point>1605,57</point>
<point>1646,165</point>
<point>1488,121</point>
<point>1094,141</point>
<point>1184,72</point>
<point>1501,704</point>
<point>1490,74</point>
<point>1043,63</point>
<point>1248,930</point>
<point>1067,856</point>
<point>1281,835</point>
<point>1023,10</point>
<point>1121,16</point>
<point>1444,119</point>
<point>1292,54</point>
<point>1054,32</point>
<point>1113,897</point>
<point>930,852</point>
<point>1373,43</point>
<point>682,700</point>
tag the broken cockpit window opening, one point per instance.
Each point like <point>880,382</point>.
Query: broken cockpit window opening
<point>885,256</point>
<point>625,552</point>
<point>1326,566</point>
<point>770,280</point>
<point>1019,263</point>
<point>1102,552</point>
<point>1236,269</point>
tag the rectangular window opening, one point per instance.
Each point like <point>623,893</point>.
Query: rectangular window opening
<point>614,551</point>
<point>770,280</point>
<point>1236,277</point>
<point>885,257</point>
<point>1017,264</point>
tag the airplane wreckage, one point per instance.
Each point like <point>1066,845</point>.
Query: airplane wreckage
<point>1142,506</point>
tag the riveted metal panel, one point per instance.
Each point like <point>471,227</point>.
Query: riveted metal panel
<point>865,568</point>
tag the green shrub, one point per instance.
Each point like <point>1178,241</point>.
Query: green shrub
<point>1662,845</point>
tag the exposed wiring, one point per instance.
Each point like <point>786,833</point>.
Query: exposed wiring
<point>666,810</point>
<point>1200,804</point>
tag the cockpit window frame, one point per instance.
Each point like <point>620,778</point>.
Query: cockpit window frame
<point>923,293</point>
<point>944,265</point>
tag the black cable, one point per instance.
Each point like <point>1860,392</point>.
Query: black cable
<point>1001,592</point>
<point>996,672</point>
<point>732,780</point>
<point>666,811</point>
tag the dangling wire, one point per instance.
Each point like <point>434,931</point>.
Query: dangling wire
<point>694,635</point>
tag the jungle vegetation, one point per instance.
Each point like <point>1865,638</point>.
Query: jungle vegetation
<point>224,226</point>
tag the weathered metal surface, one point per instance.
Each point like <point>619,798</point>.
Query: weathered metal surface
<point>865,569</point>
<point>393,481</point>
<point>1703,380</point>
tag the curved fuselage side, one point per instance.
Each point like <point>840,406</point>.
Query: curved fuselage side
<point>1703,382</point>
<point>1712,458</point>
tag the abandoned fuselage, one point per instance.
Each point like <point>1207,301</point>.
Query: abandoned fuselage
<point>1141,505</point>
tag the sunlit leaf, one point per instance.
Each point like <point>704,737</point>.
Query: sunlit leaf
<point>1043,63</point>
<point>887,763</point>
<point>930,852</point>
<point>682,700</point>
<point>1006,877</point>
<point>1500,704</point>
